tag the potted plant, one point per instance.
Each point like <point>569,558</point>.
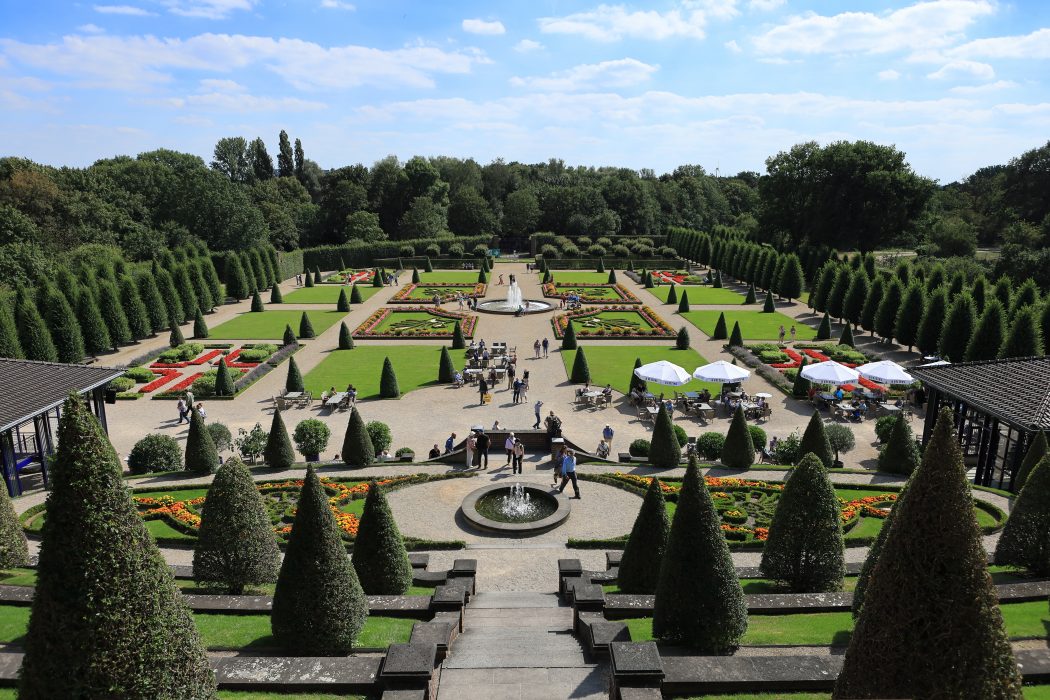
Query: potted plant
<point>311,437</point>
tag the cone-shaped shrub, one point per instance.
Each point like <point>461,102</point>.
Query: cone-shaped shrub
<point>717,284</point>
<point>415,276</point>
<point>547,277</point>
<point>738,450</point>
<point>805,546</point>
<point>430,265</point>
<point>342,304</point>
<point>458,341</point>
<point>672,294</point>
<point>640,565</point>
<point>920,556</point>
<point>112,314</point>
<point>9,344</point>
<point>1024,338</point>
<point>647,280</point>
<point>800,387</point>
<point>482,277</point>
<point>630,265</point>
<point>319,607</point>
<point>873,556</point>
<point>958,328</point>
<point>134,309</point>
<point>699,602</point>
<point>172,300</point>
<point>294,381</point>
<point>683,304</point>
<point>175,338</point>
<point>317,276</point>
<point>33,335</point>
<point>932,318</point>
<point>236,282</point>
<point>235,545</point>
<point>92,327</point>
<point>378,276</point>
<point>736,339</point>
<point>752,296</point>
<point>306,329</point>
<point>1026,538</point>
<point>308,280</point>
<point>14,550</point>
<point>720,332</point>
<point>150,295</point>
<point>107,620</point>
<point>388,388</point>
<point>636,381</point>
<point>900,455</point>
<point>200,328</point>
<point>568,341</point>
<point>355,295</point>
<point>278,452</point>
<point>601,265</point>
<point>346,340</point>
<point>201,455</point>
<point>824,329</point>
<point>581,372</point>
<point>223,380</point>
<point>446,370</point>
<point>682,341</point>
<point>769,306</point>
<point>612,277</point>
<point>357,445</point>
<point>815,441</point>
<point>379,556</point>
<point>1036,451</point>
<point>275,294</point>
<point>664,452</point>
<point>289,336</point>
<point>988,336</point>
<point>63,327</point>
<point>847,335</point>
<point>909,316</point>
<point>257,302</point>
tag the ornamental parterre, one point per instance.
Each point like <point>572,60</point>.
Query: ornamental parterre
<point>591,293</point>
<point>590,323</point>
<point>413,293</point>
<point>350,277</point>
<point>383,323</point>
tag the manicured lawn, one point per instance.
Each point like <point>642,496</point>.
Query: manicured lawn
<point>424,294</point>
<point>415,366</point>
<point>614,322</point>
<point>579,277</point>
<point>457,276</point>
<point>583,290</point>
<point>415,321</point>
<point>699,295</point>
<point>754,325</point>
<point>269,325</point>
<point>613,364</point>
<point>324,294</point>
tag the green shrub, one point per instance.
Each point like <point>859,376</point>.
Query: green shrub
<point>220,436</point>
<point>788,450</point>
<point>568,341</point>
<point>900,454</point>
<point>379,557</point>
<point>639,448</point>
<point>1025,540</point>
<point>446,370</point>
<point>346,339</point>
<point>769,306</point>
<point>680,435</point>
<point>140,375</point>
<point>841,439</point>
<point>640,566</point>
<point>311,436</point>
<point>257,353</point>
<point>738,451</point>
<point>883,428</point>
<point>155,453</point>
<point>278,451</point>
<point>736,339</point>
<point>683,304</point>
<point>201,456</point>
<point>720,332</point>
<point>709,445</point>
<point>342,304</point>
<point>357,448</point>
<point>294,381</point>
<point>223,380</point>
<point>289,336</point>
<point>14,549</point>
<point>682,341</point>
<point>665,451</point>
<point>121,384</point>
<point>458,341</point>
<point>379,434</point>
<point>275,295</point>
<point>815,441</point>
<point>257,302</point>
<point>824,329</point>
<point>355,295</point>
<point>306,329</point>
<point>388,387</point>
<point>758,437</point>
<point>581,373</point>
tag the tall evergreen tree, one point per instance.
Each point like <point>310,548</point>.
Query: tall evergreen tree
<point>223,380</point>
<point>107,617</point>
<point>962,613</point>
<point>63,327</point>
<point>446,370</point>
<point>958,328</point>
<point>1024,338</point>
<point>278,453</point>
<point>33,334</point>
<point>211,279</point>
<point>900,455</point>
<point>988,336</point>
<point>886,317</point>
<point>306,329</point>
<point>1004,291</point>
<point>342,304</point>
<point>200,328</point>
<point>201,455</point>
<point>664,452</point>
<point>836,300</point>
<point>156,309</point>
<point>294,381</point>
<point>236,282</point>
<point>134,309</point>
<point>319,607</point>
<point>357,448</point>
<point>825,283</point>
<point>856,295</point>
<point>185,288</point>
<point>275,295</point>
<point>346,340</point>
<point>871,305</point>
<point>736,338</point>
<point>9,344</point>
<point>640,565</point>
<point>720,332</point>
<point>172,300</point>
<point>1027,294</point>
<point>388,387</point>
<point>815,441</point>
<point>929,335</point>
<point>824,329</point>
<point>980,291</point>
<point>682,341</point>
<point>1025,541</point>
<point>285,158</point>
<point>791,278</point>
<point>1044,322</point>
<point>909,316</point>
<point>200,286</point>
<point>380,558</point>
<point>1036,451</point>
<point>14,549</point>
<point>249,273</point>
<point>738,450</point>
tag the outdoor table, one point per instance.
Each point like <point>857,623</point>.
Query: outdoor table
<point>764,395</point>
<point>652,411</point>
<point>691,395</point>
<point>890,408</point>
<point>336,399</point>
<point>735,394</point>
<point>293,395</point>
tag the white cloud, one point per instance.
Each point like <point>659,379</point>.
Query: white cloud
<point>337,5</point>
<point>963,69</point>
<point>480,26</point>
<point>1034,45</point>
<point>888,74</point>
<point>526,45</point>
<point>615,22</point>
<point>765,5</point>
<point>243,103</point>
<point>207,9</point>
<point>623,72</point>
<point>217,84</point>
<point>90,29</point>
<point>733,46</point>
<point>919,27</point>
<point>122,10</point>
<point>987,87</point>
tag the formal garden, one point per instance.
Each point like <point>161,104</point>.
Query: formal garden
<point>271,325</point>
<point>700,295</point>
<point>591,294</point>
<point>329,294</point>
<point>615,322</point>
<point>416,322</point>
<point>425,293</point>
<point>416,366</point>
<point>613,365</point>
<point>754,325</point>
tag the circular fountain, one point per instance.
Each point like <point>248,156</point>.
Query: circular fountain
<point>514,303</point>
<point>515,509</point>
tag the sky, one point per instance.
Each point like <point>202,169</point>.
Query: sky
<point>725,84</point>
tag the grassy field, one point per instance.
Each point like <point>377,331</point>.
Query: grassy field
<point>754,325</point>
<point>613,364</point>
<point>424,294</point>
<point>415,365</point>
<point>579,277</point>
<point>457,276</point>
<point>269,325</point>
<point>613,322</point>
<point>699,295</point>
<point>412,321</point>
<point>325,294</point>
<point>583,290</point>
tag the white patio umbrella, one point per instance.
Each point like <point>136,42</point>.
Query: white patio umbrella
<point>830,372</point>
<point>885,372</point>
<point>722,372</point>
<point>936,363</point>
<point>663,372</point>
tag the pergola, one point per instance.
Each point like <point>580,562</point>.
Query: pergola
<point>999,406</point>
<point>31,396</point>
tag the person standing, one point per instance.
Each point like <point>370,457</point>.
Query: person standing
<point>568,472</point>
<point>483,388</point>
<point>500,283</point>
<point>781,334</point>
<point>559,461</point>
<point>538,407</point>
<point>189,402</point>
<point>607,435</point>
<point>449,443</point>
<point>792,334</point>
<point>483,443</point>
<point>546,347</point>
<point>201,412</point>
<point>509,447</point>
<point>517,391</point>
<point>536,348</point>
<point>472,444</point>
<point>182,410</point>
<point>510,376</point>
<point>518,456</point>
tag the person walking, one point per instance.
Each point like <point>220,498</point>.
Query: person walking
<point>558,462</point>
<point>182,410</point>
<point>189,401</point>
<point>449,443</point>
<point>536,348</point>
<point>484,441</point>
<point>510,376</point>
<point>509,447</point>
<point>500,283</point>
<point>568,472</point>
<point>517,391</point>
<point>546,348</point>
<point>518,456</point>
<point>472,444</point>
<point>538,407</point>
<point>607,435</point>
<point>483,388</point>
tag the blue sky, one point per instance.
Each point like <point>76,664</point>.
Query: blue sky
<point>956,84</point>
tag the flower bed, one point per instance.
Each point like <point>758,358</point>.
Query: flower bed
<point>667,277</point>
<point>816,353</point>
<point>591,293</point>
<point>164,376</point>
<point>413,293</point>
<point>350,277</point>
<point>186,382</point>
<point>203,359</point>
<point>615,322</point>
<point>415,322</point>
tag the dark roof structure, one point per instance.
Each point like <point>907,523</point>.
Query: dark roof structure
<point>1016,391</point>
<point>29,388</point>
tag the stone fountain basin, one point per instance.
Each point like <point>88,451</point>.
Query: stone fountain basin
<point>561,511</point>
<point>536,306</point>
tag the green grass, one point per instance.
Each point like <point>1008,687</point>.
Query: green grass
<point>605,293</point>
<point>613,364</point>
<point>324,294</point>
<point>1037,692</point>
<point>456,276</point>
<point>269,325</point>
<point>423,293</point>
<point>579,277</point>
<point>415,365</point>
<point>754,325</point>
<point>699,295</point>
<point>415,321</point>
<point>613,322</point>
<point>161,528</point>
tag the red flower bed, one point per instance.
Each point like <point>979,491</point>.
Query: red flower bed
<point>368,328</point>
<point>668,276</point>
<point>561,290</point>
<point>205,358</point>
<point>185,383</point>
<point>403,295</point>
<point>659,327</point>
<point>165,376</point>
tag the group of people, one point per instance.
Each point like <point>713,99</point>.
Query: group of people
<point>565,467</point>
<point>538,346</point>
<point>471,302</point>
<point>186,405</point>
<point>781,334</point>
<point>570,301</point>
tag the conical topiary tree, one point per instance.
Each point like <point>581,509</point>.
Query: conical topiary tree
<point>824,329</point>
<point>308,280</point>
<point>738,450</point>
<point>482,277</point>
<point>9,344</point>
<point>769,306</point>
<point>201,456</point>
<point>568,340</point>
<point>134,309</point>
<point>612,277</point>
<point>175,338</point>
<point>236,282</point>
<point>275,294</point>
<point>306,329</point>
<point>815,441</point>
<point>847,335</point>
<point>14,550</point>
<point>342,304</point>
<point>683,305</point>
<point>151,297</point>
<point>736,339</point>
<point>932,318</point>
<point>33,334</point>
<point>446,370</point>
<point>699,602</point>
<point>720,332</point>
<point>430,266</point>
<point>752,296</point>
<point>107,617</point>
<point>1036,451</point>
<point>319,607</point>
<point>357,445</point>
<point>200,328</point>
<point>168,292</point>
<point>988,336</point>
<point>647,280</point>
<point>958,328</point>
<point>920,555</point>
<point>672,294</point>
<point>294,381</point>
<point>380,558</point>
<point>458,341</point>
<point>581,372</point>
<point>278,453</point>
<point>235,544</point>
<point>636,381</point>
<point>664,452</point>
<point>112,313</point>
<point>800,386</point>
<point>388,388</point>
<point>1025,540</point>
<point>289,336</point>
<point>355,295</point>
<point>92,327</point>
<point>378,277</point>
<point>257,302</point>
<point>640,565</point>
<point>1024,339</point>
<point>900,455</point>
<point>601,266</point>
<point>223,380</point>
<point>346,340</point>
<point>805,548</point>
<point>682,341</point>
<point>63,327</point>
<point>317,276</point>
<point>873,556</point>
<point>717,283</point>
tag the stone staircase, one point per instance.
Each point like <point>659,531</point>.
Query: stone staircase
<point>519,646</point>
